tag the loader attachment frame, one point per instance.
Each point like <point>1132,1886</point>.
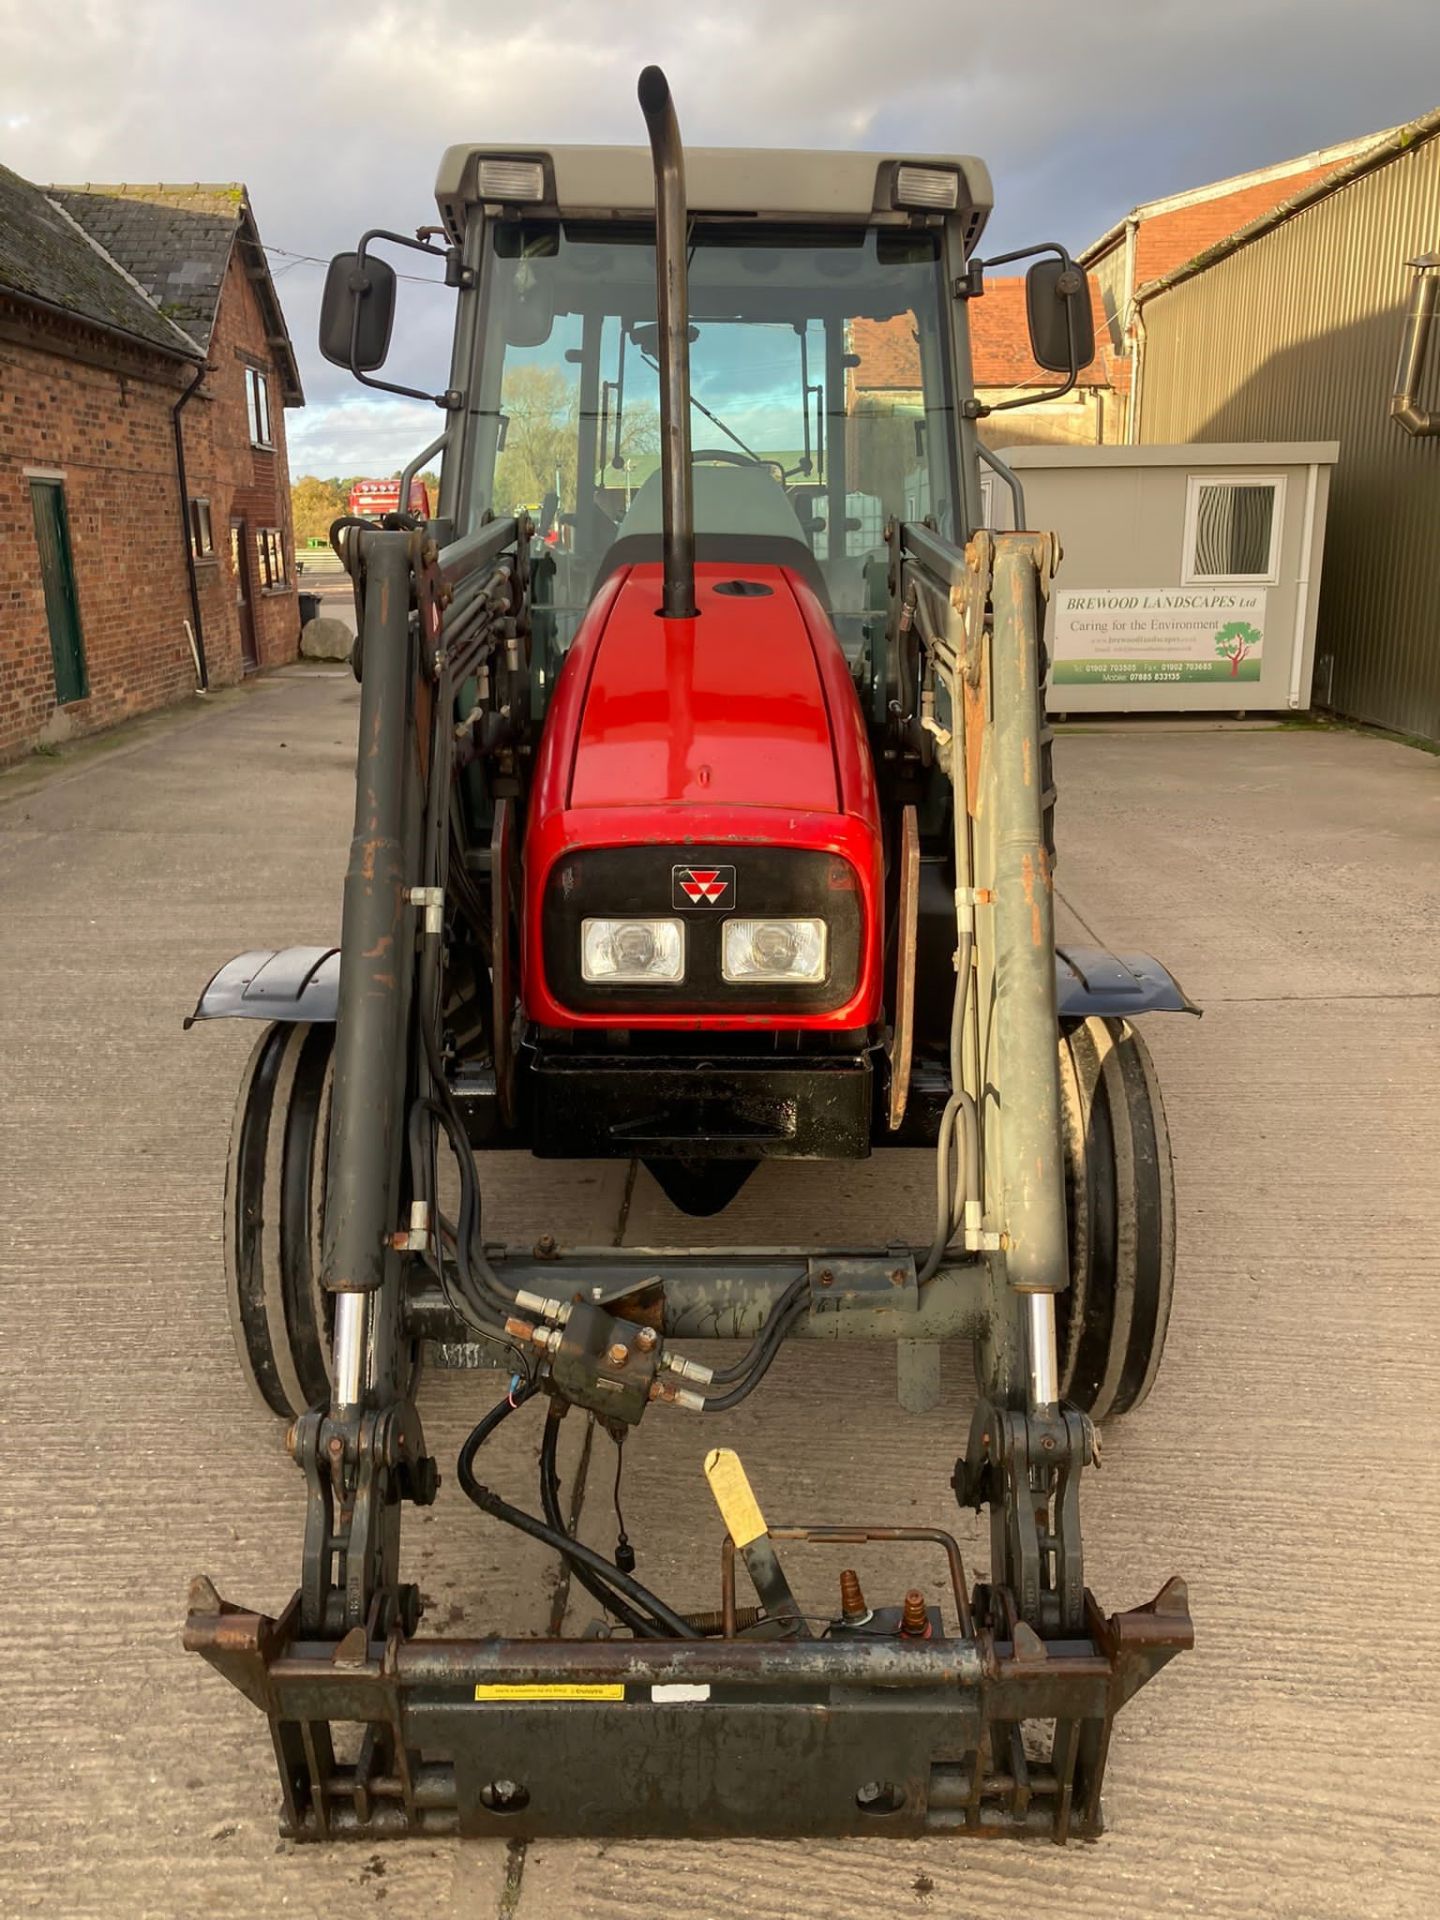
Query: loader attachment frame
<point>990,1714</point>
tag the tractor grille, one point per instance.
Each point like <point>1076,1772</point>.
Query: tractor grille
<point>783,881</point>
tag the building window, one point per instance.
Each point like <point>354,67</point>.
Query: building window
<point>270,551</point>
<point>1232,527</point>
<point>202,536</point>
<point>257,407</point>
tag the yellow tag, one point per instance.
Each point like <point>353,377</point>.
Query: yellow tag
<point>598,1690</point>
<point>739,1508</point>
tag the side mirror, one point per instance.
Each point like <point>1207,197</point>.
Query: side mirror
<point>1062,321</point>
<point>368,289</point>
<point>532,310</point>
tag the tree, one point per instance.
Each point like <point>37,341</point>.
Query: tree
<point>1234,641</point>
<point>540,406</point>
<point>315,503</point>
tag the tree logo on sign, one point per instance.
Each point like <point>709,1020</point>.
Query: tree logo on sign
<point>1234,641</point>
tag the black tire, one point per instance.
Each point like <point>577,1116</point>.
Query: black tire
<point>1120,1202</point>
<point>274,1200</point>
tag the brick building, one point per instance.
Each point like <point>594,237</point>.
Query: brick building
<point>887,378</point>
<point>1156,238</point>
<point>140,340</point>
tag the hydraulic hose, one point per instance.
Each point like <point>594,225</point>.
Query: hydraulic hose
<point>781,1309</point>
<point>955,1186</point>
<point>767,1347</point>
<point>575,1551</point>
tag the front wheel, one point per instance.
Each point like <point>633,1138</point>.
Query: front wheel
<point>274,1201</point>
<point>1120,1202</point>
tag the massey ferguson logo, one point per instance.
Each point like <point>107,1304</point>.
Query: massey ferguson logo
<point>702,886</point>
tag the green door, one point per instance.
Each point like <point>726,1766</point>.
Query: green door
<point>62,605</point>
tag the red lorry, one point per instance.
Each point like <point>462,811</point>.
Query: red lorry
<point>370,498</point>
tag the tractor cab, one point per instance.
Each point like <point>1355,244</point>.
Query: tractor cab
<point>821,350</point>
<point>728,377</point>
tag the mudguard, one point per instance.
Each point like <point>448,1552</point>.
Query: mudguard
<point>297,983</point>
<point>303,983</point>
<point>1093,980</point>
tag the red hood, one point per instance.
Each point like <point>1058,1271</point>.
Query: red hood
<point>726,709</point>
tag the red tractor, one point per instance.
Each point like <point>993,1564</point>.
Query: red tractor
<point>718,831</point>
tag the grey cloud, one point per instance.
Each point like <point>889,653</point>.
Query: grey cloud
<point>335,116</point>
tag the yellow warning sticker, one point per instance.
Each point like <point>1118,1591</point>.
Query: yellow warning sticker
<point>598,1690</point>
<point>730,1484</point>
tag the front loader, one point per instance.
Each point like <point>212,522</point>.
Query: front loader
<point>703,817</point>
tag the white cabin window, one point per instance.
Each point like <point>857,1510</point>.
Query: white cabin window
<point>257,407</point>
<point>1233,523</point>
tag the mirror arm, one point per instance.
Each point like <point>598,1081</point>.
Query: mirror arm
<point>452,399</point>
<point>973,285</point>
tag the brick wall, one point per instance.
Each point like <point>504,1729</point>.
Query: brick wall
<point>98,414</point>
<point>106,429</point>
<point>242,483</point>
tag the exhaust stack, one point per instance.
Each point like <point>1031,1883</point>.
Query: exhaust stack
<point>673,314</point>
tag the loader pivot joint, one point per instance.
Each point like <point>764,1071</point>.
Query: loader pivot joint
<point>358,1468</point>
<point>1025,1466</point>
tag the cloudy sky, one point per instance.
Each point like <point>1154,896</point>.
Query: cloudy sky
<point>335,116</point>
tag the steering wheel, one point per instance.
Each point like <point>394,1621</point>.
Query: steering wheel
<point>729,458</point>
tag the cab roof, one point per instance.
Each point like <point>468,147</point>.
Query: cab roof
<point>764,182</point>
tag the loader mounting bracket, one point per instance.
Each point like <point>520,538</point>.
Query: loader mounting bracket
<point>700,1738</point>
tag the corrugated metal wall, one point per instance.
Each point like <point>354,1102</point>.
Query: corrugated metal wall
<point>1296,337</point>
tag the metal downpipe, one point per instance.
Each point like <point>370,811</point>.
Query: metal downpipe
<point>184,486</point>
<point>1414,347</point>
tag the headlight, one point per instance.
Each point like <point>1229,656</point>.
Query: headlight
<point>787,951</point>
<point>635,952</point>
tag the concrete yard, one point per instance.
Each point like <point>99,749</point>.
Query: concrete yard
<point>1286,1463</point>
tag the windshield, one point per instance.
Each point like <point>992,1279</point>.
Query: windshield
<point>820,395</point>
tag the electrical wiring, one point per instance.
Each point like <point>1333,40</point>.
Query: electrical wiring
<point>593,1583</point>
<point>575,1551</point>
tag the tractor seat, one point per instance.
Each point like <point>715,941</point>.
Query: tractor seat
<point>741,514</point>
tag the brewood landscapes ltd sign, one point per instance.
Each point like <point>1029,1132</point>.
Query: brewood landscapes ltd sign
<point>1108,635</point>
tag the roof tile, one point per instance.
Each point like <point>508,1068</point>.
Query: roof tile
<point>175,240</point>
<point>45,256</point>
